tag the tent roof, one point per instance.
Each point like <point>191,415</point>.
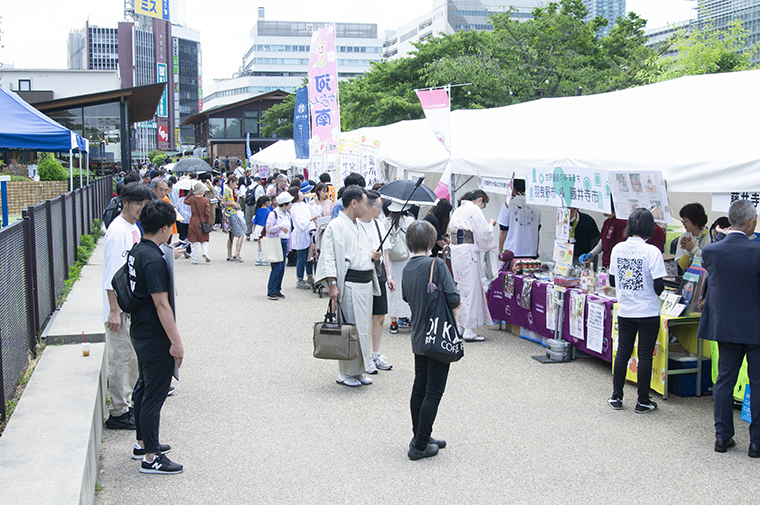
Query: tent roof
<point>279,156</point>
<point>24,127</point>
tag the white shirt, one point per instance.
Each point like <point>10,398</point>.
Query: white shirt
<point>119,239</point>
<point>301,214</point>
<point>635,264</point>
<point>372,232</point>
<point>523,221</point>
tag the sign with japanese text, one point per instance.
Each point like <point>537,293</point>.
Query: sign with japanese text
<point>640,189</point>
<point>437,108</point>
<point>163,109</point>
<point>323,90</point>
<point>722,201</point>
<point>581,188</point>
<point>176,139</point>
<point>301,124</point>
<point>158,9</point>
<point>370,166</point>
<point>494,185</point>
<point>348,158</point>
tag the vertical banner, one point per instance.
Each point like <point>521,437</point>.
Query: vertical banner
<point>348,158</point>
<point>370,167</point>
<point>301,124</point>
<point>442,190</point>
<point>437,108</point>
<point>162,104</point>
<point>248,153</point>
<point>323,89</point>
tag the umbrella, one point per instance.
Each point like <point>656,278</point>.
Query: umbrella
<point>190,165</point>
<point>401,190</point>
<point>185,183</point>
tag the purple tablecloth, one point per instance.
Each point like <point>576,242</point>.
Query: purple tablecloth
<point>510,310</point>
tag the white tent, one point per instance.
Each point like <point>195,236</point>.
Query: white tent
<point>279,156</point>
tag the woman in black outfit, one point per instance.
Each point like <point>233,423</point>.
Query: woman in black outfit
<point>439,216</point>
<point>429,375</point>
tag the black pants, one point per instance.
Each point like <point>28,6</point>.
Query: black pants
<point>149,396</point>
<point>647,329</point>
<point>730,359</point>
<point>182,229</point>
<point>429,383</point>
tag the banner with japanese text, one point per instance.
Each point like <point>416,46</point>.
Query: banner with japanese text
<point>323,91</point>
<point>301,124</point>
<point>348,158</point>
<point>721,202</point>
<point>370,166</point>
<point>158,9</point>
<point>577,187</point>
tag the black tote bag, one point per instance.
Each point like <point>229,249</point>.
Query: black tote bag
<point>442,340</point>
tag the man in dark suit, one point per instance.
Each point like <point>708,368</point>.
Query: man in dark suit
<point>731,317</point>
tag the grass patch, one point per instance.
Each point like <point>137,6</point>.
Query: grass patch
<point>87,244</point>
<point>98,488</point>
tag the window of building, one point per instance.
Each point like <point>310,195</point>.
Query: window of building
<point>251,123</point>
<point>234,128</point>
<point>24,85</point>
<point>216,127</point>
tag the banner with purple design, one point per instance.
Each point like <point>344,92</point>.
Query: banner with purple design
<point>323,91</point>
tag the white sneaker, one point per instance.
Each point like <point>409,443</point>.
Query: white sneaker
<point>380,363</point>
<point>372,370</point>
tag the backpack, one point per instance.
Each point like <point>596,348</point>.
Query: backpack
<point>123,284</point>
<point>113,210</point>
<point>250,196</point>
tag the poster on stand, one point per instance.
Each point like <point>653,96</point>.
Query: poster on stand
<point>581,188</point>
<point>641,189</point>
<point>563,253</point>
<point>551,309</point>
<point>577,310</point>
<point>348,158</point>
<point>563,224</point>
<point>595,327</point>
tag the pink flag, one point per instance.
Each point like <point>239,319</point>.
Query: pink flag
<point>442,190</point>
<point>435,103</point>
<point>323,90</point>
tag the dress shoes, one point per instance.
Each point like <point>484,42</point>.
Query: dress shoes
<point>722,445</point>
<point>754,451</point>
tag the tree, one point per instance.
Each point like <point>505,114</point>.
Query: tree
<point>50,169</point>
<point>277,121</point>
<point>707,51</point>
<point>153,153</point>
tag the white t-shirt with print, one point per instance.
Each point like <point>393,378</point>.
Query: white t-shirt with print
<point>523,221</point>
<point>635,264</point>
<point>119,239</point>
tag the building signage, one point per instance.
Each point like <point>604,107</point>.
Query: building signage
<point>158,9</point>
<point>162,105</point>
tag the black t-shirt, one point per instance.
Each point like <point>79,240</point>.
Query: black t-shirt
<point>586,234</point>
<point>430,218</point>
<point>152,276</point>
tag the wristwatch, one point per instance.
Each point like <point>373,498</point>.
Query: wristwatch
<point>330,283</point>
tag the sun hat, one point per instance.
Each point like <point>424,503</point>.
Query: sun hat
<point>199,188</point>
<point>398,207</point>
<point>284,198</point>
<point>306,187</point>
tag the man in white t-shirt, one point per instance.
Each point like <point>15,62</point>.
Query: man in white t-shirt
<point>122,234</point>
<point>519,224</point>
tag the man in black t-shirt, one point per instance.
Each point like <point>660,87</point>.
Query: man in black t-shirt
<point>154,336</point>
<point>583,232</point>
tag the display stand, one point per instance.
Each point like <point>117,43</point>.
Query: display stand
<point>557,349</point>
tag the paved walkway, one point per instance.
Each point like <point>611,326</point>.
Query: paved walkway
<point>256,419</point>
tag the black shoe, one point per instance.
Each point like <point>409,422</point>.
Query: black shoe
<point>279,295</point>
<point>273,297</point>
<point>754,451</point>
<point>139,453</point>
<point>415,454</point>
<point>723,445</point>
<point>440,443</point>
<point>615,403</point>
<point>643,408</point>
<point>160,464</point>
<point>171,391</point>
<point>126,421</point>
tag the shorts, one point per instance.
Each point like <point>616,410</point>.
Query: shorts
<point>380,303</point>
<point>257,231</point>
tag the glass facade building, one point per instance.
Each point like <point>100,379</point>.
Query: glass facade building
<point>608,9</point>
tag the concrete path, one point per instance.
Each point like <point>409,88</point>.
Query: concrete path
<point>256,419</point>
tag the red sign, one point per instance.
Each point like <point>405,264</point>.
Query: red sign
<point>163,133</point>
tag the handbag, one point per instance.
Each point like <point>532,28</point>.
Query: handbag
<point>206,227</point>
<point>442,340</point>
<point>271,250</point>
<point>335,340</point>
<point>397,250</point>
<point>491,264</point>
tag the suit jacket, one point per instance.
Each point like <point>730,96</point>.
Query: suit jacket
<point>732,306</point>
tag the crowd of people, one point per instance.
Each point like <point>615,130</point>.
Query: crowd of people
<point>372,255</point>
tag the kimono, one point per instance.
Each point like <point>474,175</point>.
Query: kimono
<point>467,263</point>
<point>397,307</point>
<point>346,245</point>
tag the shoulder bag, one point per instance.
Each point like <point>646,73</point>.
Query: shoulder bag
<point>205,225</point>
<point>398,250</point>
<point>335,340</point>
<point>271,249</point>
<point>123,286</point>
<point>442,340</point>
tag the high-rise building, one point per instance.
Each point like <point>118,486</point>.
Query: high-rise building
<point>449,16</point>
<point>278,58</point>
<point>93,48</point>
<point>719,13</point>
<point>608,9</point>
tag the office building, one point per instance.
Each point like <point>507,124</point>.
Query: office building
<point>608,9</point>
<point>278,58</point>
<point>449,16</point>
<point>719,13</point>
<point>93,48</point>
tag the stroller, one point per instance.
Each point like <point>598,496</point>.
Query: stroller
<point>316,238</point>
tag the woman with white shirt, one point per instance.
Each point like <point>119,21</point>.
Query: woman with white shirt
<point>278,225</point>
<point>690,244</point>
<point>636,272</point>
<point>303,223</point>
<point>398,221</point>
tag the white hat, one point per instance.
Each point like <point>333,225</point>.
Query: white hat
<point>398,207</point>
<point>199,188</point>
<point>284,198</point>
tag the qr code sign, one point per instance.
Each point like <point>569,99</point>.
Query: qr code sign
<point>631,273</point>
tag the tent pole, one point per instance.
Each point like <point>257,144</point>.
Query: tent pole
<point>87,164</point>
<point>80,168</point>
<point>71,170</point>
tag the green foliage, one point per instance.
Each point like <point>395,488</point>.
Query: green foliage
<point>708,51</point>
<point>159,159</point>
<point>97,230</point>
<point>50,169</point>
<point>277,121</point>
<point>155,152</point>
<point>84,252</point>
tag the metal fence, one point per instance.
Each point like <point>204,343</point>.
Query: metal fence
<point>35,255</point>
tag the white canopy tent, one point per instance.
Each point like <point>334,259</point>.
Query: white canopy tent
<point>279,156</point>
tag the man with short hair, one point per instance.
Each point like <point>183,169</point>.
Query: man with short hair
<point>730,317</point>
<point>346,267</point>
<point>122,234</point>
<point>239,172</point>
<point>154,336</point>
<point>159,187</point>
<point>352,179</point>
<point>280,185</point>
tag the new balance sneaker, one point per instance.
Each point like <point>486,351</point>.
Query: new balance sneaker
<point>160,464</point>
<point>170,392</point>
<point>643,408</point>
<point>615,403</point>
<point>139,452</point>
<point>380,363</point>
<point>394,328</point>
<point>372,370</point>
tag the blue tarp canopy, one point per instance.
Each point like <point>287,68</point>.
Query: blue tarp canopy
<point>24,127</point>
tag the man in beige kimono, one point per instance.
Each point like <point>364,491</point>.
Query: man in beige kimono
<point>346,266</point>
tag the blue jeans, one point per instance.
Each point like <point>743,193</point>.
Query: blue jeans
<point>278,271</point>
<point>303,255</point>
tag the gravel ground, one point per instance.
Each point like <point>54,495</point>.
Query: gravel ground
<point>256,419</point>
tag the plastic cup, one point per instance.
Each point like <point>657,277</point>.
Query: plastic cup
<point>85,349</point>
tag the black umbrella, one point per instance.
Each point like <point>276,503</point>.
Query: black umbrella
<point>410,192</point>
<point>186,165</point>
